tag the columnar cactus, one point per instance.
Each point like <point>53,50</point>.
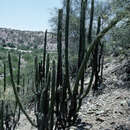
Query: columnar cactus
<point>4,77</point>
<point>2,115</point>
<point>91,22</point>
<point>18,74</point>
<point>44,105</point>
<point>2,102</point>
<point>16,114</point>
<point>82,39</point>
<point>47,65</point>
<point>67,83</point>
<point>36,74</point>
<point>44,52</point>
<point>53,93</point>
<point>59,48</point>
<point>96,60</point>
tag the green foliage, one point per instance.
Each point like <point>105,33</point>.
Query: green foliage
<point>24,47</point>
<point>11,45</point>
<point>3,53</point>
<point>27,57</point>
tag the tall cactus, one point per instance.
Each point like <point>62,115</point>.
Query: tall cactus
<point>74,101</point>
<point>67,83</point>
<point>23,85</point>
<point>82,39</point>
<point>18,74</point>
<point>59,82</point>
<point>91,22</point>
<point>17,116</point>
<point>36,74</point>
<point>2,102</point>
<point>4,77</point>
<point>44,105</point>
<point>59,48</point>
<point>53,93</point>
<point>96,60</point>
<point>44,52</point>
<point>2,115</point>
<point>47,65</point>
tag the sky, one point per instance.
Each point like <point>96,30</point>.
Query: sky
<point>30,15</point>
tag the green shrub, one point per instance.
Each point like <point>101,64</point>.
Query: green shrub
<point>11,45</point>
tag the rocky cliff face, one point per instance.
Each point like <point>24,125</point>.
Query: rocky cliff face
<point>26,39</point>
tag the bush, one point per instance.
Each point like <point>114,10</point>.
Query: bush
<point>11,45</point>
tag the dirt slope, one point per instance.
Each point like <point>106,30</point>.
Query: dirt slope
<point>110,110</point>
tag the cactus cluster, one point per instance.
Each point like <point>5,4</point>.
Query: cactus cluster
<point>9,118</point>
<point>97,55</point>
<point>57,102</point>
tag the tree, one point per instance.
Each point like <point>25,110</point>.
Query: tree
<point>119,36</point>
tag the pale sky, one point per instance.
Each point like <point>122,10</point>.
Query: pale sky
<point>27,14</point>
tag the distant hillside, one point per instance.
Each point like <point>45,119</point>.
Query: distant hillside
<point>26,39</point>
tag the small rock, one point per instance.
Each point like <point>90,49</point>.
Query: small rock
<point>128,102</point>
<point>99,112</point>
<point>112,123</point>
<point>129,118</point>
<point>121,127</point>
<point>121,113</point>
<point>123,103</point>
<point>88,126</point>
<point>78,121</point>
<point>90,112</point>
<point>73,128</point>
<point>100,119</point>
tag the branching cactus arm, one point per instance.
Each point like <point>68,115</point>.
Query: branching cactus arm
<point>16,93</point>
